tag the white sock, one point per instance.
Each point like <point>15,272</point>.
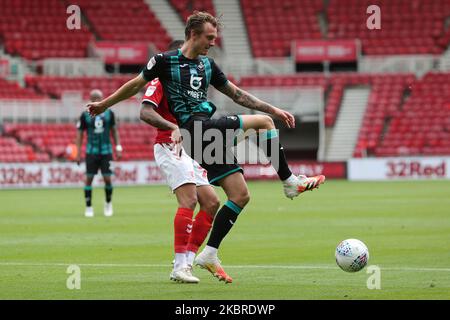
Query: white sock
<point>180,261</point>
<point>210,251</point>
<point>291,180</point>
<point>190,256</point>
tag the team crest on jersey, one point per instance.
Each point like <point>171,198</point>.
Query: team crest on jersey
<point>201,66</point>
<point>150,90</point>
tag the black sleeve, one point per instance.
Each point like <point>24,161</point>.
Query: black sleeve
<point>218,78</point>
<point>81,124</point>
<point>153,68</point>
<point>113,119</point>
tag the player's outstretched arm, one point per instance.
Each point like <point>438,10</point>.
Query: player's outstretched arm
<point>150,116</point>
<point>249,101</point>
<point>126,91</point>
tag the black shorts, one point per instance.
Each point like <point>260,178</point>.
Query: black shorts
<point>224,164</point>
<point>98,161</point>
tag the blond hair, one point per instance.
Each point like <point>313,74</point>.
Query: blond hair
<point>197,20</point>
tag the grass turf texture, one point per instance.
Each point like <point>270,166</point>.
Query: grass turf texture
<point>279,249</point>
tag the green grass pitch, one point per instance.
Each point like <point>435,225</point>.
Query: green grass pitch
<point>278,249</point>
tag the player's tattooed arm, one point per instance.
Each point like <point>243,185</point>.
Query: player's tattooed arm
<point>249,101</point>
<point>245,99</point>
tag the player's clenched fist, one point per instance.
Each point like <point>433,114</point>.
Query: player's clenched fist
<point>96,108</point>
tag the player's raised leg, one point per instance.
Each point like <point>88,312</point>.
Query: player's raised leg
<point>268,137</point>
<point>238,196</point>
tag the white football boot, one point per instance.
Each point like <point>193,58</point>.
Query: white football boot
<point>294,186</point>
<point>108,209</point>
<point>89,212</point>
<point>184,275</point>
<point>211,263</point>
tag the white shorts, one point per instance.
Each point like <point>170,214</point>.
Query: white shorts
<point>179,170</point>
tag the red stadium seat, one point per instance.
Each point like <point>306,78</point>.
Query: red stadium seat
<point>413,127</point>
<point>51,140</point>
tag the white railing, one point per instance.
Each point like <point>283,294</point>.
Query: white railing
<point>73,67</point>
<point>14,69</point>
<point>304,102</point>
<point>238,67</point>
<point>444,61</point>
<point>417,64</point>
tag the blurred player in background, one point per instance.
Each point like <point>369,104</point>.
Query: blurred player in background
<point>99,152</point>
<point>187,179</point>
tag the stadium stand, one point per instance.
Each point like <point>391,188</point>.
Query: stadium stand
<point>37,29</point>
<point>385,101</point>
<point>272,25</point>
<point>137,140</point>
<point>405,115</point>
<point>422,125</point>
<point>51,140</point>
<point>12,90</point>
<point>419,29</point>
<point>407,26</point>
<point>54,86</point>
<point>185,8</point>
<point>12,151</point>
<point>119,20</point>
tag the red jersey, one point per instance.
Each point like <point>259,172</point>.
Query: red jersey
<point>154,94</point>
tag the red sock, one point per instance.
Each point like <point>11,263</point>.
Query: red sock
<point>201,226</point>
<point>182,227</point>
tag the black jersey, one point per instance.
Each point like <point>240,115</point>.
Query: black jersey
<point>98,131</point>
<point>185,82</point>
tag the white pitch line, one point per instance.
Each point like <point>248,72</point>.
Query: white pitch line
<point>126,265</point>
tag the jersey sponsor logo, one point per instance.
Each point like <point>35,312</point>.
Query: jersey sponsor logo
<point>195,94</point>
<point>151,63</point>
<point>196,82</point>
<point>150,91</point>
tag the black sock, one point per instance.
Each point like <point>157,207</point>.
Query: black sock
<point>88,195</point>
<point>223,222</point>
<point>108,192</point>
<point>269,140</point>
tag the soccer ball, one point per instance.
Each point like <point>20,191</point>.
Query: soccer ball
<point>352,255</point>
